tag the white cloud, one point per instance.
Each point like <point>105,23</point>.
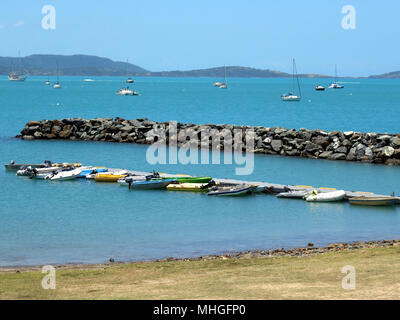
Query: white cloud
<point>19,24</point>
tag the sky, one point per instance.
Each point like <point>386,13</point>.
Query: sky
<point>183,35</point>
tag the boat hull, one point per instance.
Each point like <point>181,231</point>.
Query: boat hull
<point>152,184</point>
<point>373,201</point>
<point>327,196</point>
<point>192,187</point>
<point>239,191</point>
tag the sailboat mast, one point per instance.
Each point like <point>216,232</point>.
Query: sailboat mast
<point>293,77</point>
<point>335,73</point>
<point>297,77</point>
<point>225,74</point>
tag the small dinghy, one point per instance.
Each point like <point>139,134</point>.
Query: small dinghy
<point>151,184</point>
<point>64,175</point>
<point>193,187</point>
<point>190,179</point>
<point>108,176</point>
<point>326,196</point>
<point>298,194</point>
<point>232,191</point>
<point>92,170</point>
<point>373,201</point>
<point>131,179</point>
<point>29,171</point>
<point>12,166</point>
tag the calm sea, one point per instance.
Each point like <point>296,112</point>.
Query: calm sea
<point>87,222</point>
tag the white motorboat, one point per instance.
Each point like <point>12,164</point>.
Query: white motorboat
<point>319,88</point>
<point>64,175</point>
<point>217,84</point>
<point>335,84</point>
<point>326,196</point>
<point>291,96</point>
<point>127,92</point>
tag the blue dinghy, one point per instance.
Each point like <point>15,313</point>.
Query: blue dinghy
<point>92,171</point>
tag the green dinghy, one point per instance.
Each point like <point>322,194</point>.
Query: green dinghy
<point>189,179</point>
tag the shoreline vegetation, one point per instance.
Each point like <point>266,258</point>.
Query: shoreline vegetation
<point>299,273</point>
<point>368,147</point>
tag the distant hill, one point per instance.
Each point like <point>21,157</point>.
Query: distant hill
<point>390,75</point>
<point>85,65</point>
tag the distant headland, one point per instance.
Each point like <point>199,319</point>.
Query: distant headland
<point>88,65</point>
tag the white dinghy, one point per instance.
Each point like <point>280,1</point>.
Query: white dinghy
<point>64,175</point>
<point>326,196</point>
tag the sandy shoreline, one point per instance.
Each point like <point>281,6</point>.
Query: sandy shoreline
<point>310,250</point>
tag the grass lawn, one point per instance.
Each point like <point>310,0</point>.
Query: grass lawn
<point>312,277</point>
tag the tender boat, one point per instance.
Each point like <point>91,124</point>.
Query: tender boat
<point>319,88</point>
<point>29,171</point>
<point>151,184</point>
<point>326,196</point>
<point>95,170</point>
<point>298,194</point>
<point>291,96</point>
<point>217,84</point>
<point>109,177</point>
<point>373,201</point>
<point>335,84</point>
<point>131,179</point>
<point>189,179</point>
<point>129,80</point>
<point>231,191</point>
<point>127,92</point>
<point>12,166</point>
<point>64,175</point>
<point>193,187</point>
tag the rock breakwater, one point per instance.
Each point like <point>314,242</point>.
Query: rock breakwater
<point>368,147</point>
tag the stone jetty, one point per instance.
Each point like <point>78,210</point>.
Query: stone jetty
<point>368,147</point>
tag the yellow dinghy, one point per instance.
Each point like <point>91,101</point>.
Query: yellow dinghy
<point>194,187</point>
<point>108,177</point>
<point>373,201</point>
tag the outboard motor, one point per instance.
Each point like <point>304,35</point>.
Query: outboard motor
<point>47,163</point>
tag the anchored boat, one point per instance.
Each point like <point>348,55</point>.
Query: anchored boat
<point>373,201</point>
<point>232,191</point>
<point>193,187</point>
<point>189,179</point>
<point>291,96</point>
<point>326,196</point>
<point>151,184</point>
<point>64,175</point>
<point>335,84</point>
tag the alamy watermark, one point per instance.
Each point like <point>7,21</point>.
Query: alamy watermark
<point>349,20</point>
<point>49,280</point>
<point>349,280</point>
<point>49,20</point>
<point>237,145</point>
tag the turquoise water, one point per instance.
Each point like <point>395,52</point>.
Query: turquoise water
<point>87,222</point>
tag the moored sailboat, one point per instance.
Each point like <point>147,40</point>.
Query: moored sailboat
<point>335,84</point>
<point>57,85</point>
<point>290,96</point>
